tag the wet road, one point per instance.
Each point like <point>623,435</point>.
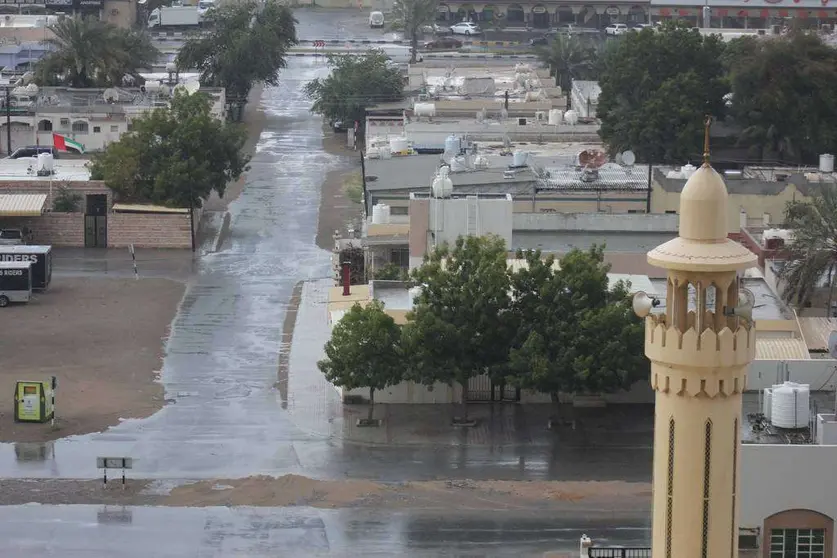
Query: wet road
<point>85,531</point>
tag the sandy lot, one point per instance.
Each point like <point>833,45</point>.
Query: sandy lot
<point>611,498</point>
<point>337,211</point>
<point>102,338</point>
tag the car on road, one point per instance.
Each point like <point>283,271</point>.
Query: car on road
<point>443,44</point>
<point>573,29</point>
<point>436,29</point>
<point>539,41</point>
<point>204,6</point>
<point>641,26</point>
<point>465,28</point>
<point>615,29</point>
<point>376,20</point>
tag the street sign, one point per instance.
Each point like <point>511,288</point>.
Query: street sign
<point>114,463</point>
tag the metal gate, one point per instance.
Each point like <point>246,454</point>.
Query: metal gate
<point>96,221</point>
<point>481,388</point>
<point>604,552</point>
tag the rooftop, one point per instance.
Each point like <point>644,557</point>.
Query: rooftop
<point>816,332</point>
<point>768,306</point>
<point>521,81</point>
<point>25,168</point>
<point>753,180</point>
<point>755,430</point>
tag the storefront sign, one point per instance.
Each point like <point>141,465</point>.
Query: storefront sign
<point>612,11</point>
<point>59,3</point>
<point>538,10</point>
<point>90,3</point>
<point>734,5</point>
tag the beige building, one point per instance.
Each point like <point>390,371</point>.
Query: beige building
<point>757,196</point>
<point>699,357</point>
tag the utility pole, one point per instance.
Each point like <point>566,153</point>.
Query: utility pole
<point>9,118</point>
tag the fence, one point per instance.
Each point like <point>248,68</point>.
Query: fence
<point>636,552</point>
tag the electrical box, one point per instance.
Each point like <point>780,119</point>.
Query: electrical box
<point>34,402</point>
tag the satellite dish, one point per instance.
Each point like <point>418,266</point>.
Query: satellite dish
<point>628,158</point>
<point>192,87</point>
<point>643,304</point>
<point>832,344</point>
<point>171,67</point>
<point>746,303</point>
<point>110,95</point>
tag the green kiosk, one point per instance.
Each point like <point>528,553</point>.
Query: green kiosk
<point>34,401</point>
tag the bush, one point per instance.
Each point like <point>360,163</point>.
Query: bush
<point>66,200</point>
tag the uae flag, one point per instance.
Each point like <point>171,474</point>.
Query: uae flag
<point>63,143</point>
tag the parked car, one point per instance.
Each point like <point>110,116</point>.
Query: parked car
<point>33,151</point>
<point>465,28</point>
<point>204,6</point>
<point>436,29</point>
<point>615,29</point>
<point>376,20</point>
<point>539,41</point>
<point>443,44</point>
<point>11,237</point>
<point>641,26</point>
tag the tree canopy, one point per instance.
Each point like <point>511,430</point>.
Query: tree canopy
<point>355,83</point>
<point>173,153</point>
<point>812,252</point>
<point>783,95</point>
<point>457,328</point>
<point>364,350</point>
<point>411,16</point>
<point>87,52</point>
<point>246,44</point>
<point>573,333</point>
<point>571,57</point>
<point>656,88</point>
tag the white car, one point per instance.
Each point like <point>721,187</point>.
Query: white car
<point>204,6</point>
<point>616,29</point>
<point>465,28</point>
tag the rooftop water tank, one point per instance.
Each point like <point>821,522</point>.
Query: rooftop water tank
<point>790,405</point>
<point>519,158</point>
<point>453,144</point>
<point>571,117</point>
<point>425,109</point>
<point>767,403</point>
<point>442,186</point>
<point>378,214</point>
<point>45,163</point>
<point>826,162</point>
<point>554,117</point>
<point>687,171</point>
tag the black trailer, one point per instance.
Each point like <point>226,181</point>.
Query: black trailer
<point>41,258</point>
<point>15,282</point>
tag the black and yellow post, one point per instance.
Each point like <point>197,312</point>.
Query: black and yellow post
<point>34,402</point>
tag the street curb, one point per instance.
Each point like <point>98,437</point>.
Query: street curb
<point>401,42</point>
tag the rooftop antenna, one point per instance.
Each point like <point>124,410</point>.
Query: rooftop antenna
<point>706,125</point>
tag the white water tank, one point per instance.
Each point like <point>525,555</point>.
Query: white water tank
<point>442,186</point>
<point>554,117</point>
<point>425,109</point>
<point>398,145</point>
<point>378,214</point>
<point>767,403</point>
<point>45,163</point>
<point>453,144</point>
<point>571,117</point>
<point>519,158</point>
<point>826,162</point>
<point>790,405</point>
<point>688,170</point>
<point>386,214</point>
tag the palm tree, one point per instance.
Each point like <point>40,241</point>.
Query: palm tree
<point>570,57</point>
<point>411,16</point>
<point>86,52</point>
<point>812,253</point>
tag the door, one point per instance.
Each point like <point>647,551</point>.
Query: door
<point>96,221</point>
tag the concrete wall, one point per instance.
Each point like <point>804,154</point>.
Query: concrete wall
<point>589,222</point>
<point>755,205</point>
<point>818,373</point>
<point>56,229</point>
<point>776,478</point>
<point>451,218</point>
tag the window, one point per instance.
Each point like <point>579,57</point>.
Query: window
<point>97,129</point>
<point>797,543</point>
<point>80,127</point>
<point>399,210</point>
<point>45,126</point>
<point>114,128</point>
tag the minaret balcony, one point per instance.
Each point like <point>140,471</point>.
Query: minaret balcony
<point>727,347</point>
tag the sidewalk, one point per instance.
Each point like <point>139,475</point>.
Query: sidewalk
<point>315,407</point>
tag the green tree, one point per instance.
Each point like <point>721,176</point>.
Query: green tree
<point>390,272</point>
<point>410,16</point>
<point>363,351</point>
<point>86,52</point>
<point>174,156</point>
<point>574,334</point>
<point>246,44</point>
<point>657,87</point>
<point>812,252</point>
<point>355,83</point>
<point>571,57</point>
<point>66,200</point>
<point>783,96</point>
<point>457,328</point>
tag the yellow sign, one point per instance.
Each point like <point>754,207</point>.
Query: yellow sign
<point>33,402</point>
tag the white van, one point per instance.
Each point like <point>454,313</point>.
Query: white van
<point>376,20</point>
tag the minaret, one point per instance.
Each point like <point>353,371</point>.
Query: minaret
<point>699,352</point>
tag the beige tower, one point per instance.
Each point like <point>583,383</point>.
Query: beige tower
<point>699,351</point>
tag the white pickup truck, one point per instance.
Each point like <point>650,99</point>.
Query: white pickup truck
<point>174,16</point>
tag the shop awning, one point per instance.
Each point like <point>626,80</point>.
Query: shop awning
<point>22,205</point>
<point>142,208</point>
